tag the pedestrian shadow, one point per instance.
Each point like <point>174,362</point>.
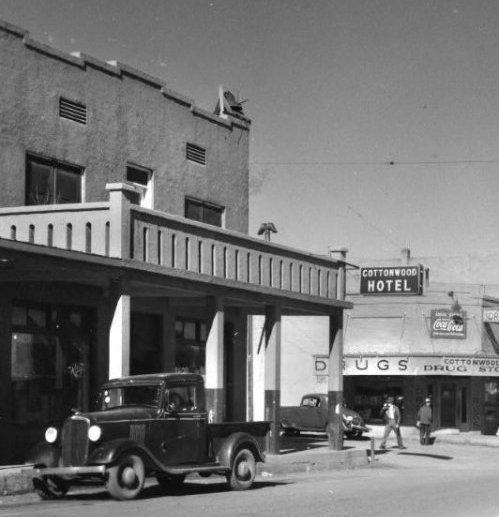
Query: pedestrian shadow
<point>426,455</point>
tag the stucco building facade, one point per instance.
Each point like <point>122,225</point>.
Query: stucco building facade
<point>124,246</point>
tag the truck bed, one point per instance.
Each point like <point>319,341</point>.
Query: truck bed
<point>223,429</point>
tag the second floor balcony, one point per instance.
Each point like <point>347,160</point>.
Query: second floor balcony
<point>173,245</point>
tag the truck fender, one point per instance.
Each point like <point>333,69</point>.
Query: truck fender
<point>237,441</point>
<point>43,453</point>
<point>110,451</point>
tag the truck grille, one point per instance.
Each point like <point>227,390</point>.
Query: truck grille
<point>75,441</point>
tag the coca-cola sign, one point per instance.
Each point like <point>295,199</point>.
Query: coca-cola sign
<point>446,323</point>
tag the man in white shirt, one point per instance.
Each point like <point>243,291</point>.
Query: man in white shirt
<point>391,413</point>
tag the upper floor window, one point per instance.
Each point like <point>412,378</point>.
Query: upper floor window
<point>195,153</point>
<point>142,179</point>
<point>204,212</point>
<point>49,182</point>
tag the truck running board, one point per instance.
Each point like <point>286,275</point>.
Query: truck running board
<point>205,467</point>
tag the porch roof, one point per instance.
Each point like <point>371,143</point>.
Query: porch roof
<point>25,262</point>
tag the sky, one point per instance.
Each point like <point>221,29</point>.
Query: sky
<point>375,122</point>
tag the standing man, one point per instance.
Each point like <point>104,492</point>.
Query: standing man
<point>391,413</point>
<point>423,421</point>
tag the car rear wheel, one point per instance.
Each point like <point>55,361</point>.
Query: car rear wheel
<point>51,487</point>
<point>126,478</point>
<point>243,470</point>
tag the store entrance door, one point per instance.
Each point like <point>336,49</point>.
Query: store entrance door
<point>448,405</point>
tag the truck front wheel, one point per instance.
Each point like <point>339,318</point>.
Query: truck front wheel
<point>126,478</point>
<point>243,470</point>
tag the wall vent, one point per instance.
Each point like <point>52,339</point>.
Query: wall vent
<point>73,111</point>
<point>194,153</point>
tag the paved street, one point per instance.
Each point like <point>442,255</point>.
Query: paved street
<point>438,480</point>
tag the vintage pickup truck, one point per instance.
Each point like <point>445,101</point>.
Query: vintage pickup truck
<point>312,415</point>
<point>146,425</point>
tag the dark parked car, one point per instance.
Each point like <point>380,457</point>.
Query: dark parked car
<point>147,425</point>
<point>312,415</point>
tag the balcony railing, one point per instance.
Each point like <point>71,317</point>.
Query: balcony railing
<point>120,229</point>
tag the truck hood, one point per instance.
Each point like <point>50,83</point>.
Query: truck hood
<point>119,413</point>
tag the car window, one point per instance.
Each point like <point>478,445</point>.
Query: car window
<point>129,396</point>
<point>310,401</point>
<point>185,397</point>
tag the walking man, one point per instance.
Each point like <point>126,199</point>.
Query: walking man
<point>423,421</point>
<point>391,413</point>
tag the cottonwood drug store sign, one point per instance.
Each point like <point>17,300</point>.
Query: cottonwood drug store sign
<point>421,365</point>
<point>391,280</point>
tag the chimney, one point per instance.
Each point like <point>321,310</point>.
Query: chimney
<point>406,255</point>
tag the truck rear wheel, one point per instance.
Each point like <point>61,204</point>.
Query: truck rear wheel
<point>243,470</point>
<point>126,478</point>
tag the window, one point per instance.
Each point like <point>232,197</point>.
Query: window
<point>49,182</point>
<point>185,397</point>
<point>50,354</point>
<point>190,346</point>
<point>142,180</point>
<point>195,153</point>
<point>204,212</point>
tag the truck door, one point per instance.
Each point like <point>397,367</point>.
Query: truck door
<point>181,426</point>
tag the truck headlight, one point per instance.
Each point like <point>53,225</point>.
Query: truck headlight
<point>51,434</point>
<point>94,433</point>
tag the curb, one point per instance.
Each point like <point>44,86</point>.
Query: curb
<point>279,465</point>
<point>15,479</point>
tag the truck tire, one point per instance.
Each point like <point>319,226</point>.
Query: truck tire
<point>170,483</point>
<point>126,478</point>
<point>51,487</point>
<point>243,470</point>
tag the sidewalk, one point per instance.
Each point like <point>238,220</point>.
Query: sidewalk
<point>307,453</point>
<point>453,436</point>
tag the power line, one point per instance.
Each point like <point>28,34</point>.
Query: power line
<point>390,162</point>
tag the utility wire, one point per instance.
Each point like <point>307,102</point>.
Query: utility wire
<point>391,162</point>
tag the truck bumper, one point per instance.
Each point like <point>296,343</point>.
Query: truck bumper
<point>66,472</point>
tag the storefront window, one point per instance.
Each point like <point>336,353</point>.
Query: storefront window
<point>50,347</point>
<point>190,347</point>
<point>33,357</point>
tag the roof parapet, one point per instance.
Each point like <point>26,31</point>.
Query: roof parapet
<point>119,70</point>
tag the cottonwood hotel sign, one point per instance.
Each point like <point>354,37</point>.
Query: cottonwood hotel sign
<point>391,280</point>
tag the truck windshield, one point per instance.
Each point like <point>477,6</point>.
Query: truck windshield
<point>129,396</point>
